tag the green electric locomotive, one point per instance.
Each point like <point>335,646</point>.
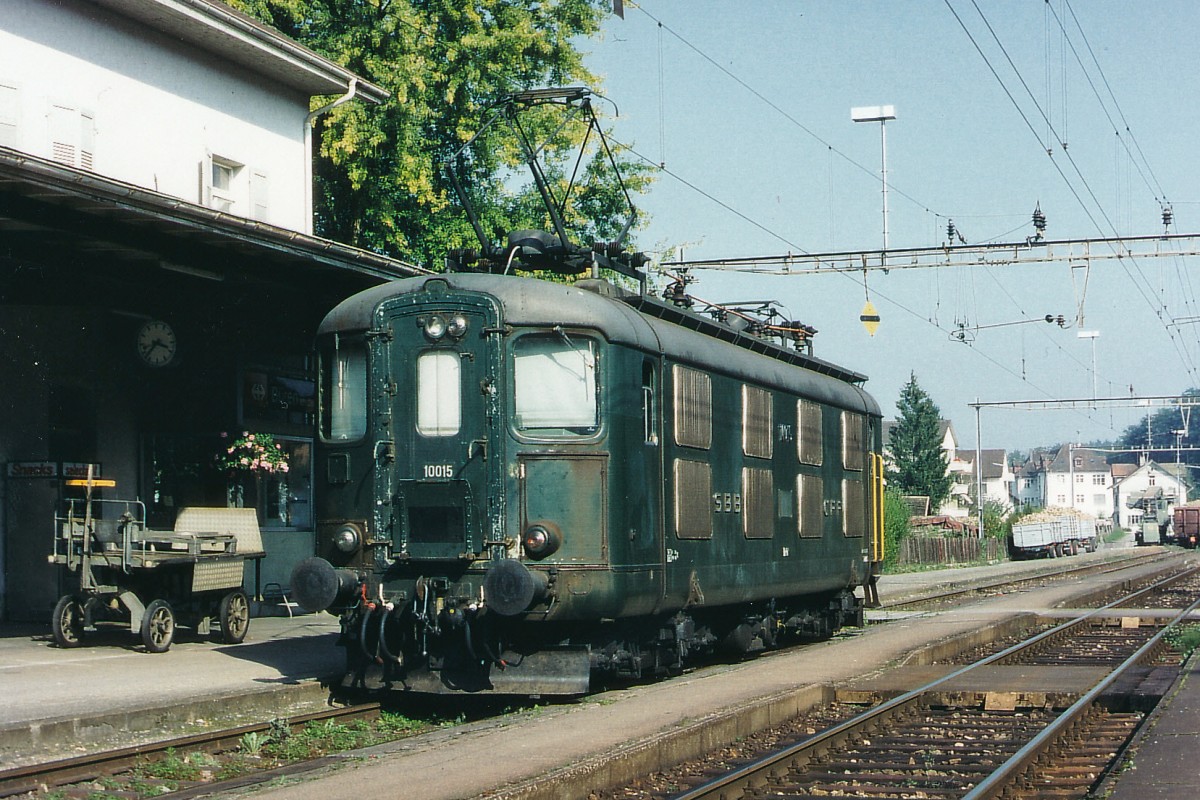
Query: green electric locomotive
<point>525,483</point>
<point>522,484</point>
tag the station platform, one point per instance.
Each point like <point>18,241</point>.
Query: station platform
<point>1164,754</point>
<point>110,693</point>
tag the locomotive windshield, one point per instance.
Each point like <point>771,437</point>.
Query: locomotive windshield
<point>555,385</point>
<point>439,398</point>
<point>343,401</point>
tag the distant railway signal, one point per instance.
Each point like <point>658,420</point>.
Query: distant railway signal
<point>869,317</point>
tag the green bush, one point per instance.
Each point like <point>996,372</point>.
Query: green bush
<point>896,526</point>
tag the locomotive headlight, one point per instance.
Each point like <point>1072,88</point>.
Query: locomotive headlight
<point>347,539</point>
<point>435,326</point>
<point>541,540</point>
<point>457,327</point>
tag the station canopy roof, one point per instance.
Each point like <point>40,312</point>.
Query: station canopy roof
<point>68,229</point>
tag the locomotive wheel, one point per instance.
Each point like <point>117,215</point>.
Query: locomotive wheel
<point>158,627</point>
<point>235,617</point>
<point>67,622</point>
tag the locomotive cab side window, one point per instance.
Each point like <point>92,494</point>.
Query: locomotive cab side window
<point>649,404</point>
<point>555,385</point>
<point>343,400</point>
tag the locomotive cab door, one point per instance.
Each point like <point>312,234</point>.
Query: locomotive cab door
<point>446,489</point>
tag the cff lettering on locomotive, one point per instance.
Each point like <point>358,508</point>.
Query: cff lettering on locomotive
<point>523,484</point>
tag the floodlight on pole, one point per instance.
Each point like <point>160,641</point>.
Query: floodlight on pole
<point>880,114</point>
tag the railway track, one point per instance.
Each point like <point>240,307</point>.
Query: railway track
<point>109,766</point>
<point>116,766</point>
<point>919,745</point>
<point>984,589</point>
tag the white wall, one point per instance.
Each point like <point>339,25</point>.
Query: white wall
<point>1139,482</point>
<point>160,107</point>
<point>1096,497</point>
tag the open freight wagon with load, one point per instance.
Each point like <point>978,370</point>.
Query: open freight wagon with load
<point>1053,533</point>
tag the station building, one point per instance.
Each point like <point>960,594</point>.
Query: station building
<point>160,285</point>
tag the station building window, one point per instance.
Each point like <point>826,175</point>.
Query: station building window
<point>287,501</point>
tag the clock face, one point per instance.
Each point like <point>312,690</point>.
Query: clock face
<point>156,343</point>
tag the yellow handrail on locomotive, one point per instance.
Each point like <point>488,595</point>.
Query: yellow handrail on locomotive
<point>877,532</point>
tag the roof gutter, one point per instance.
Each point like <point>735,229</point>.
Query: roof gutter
<point>309,122</point>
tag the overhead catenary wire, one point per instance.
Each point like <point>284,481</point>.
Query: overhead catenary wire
<point>1160,195</point>
<point>891,301</point>
<point>662,26</point>
<point>1140,281</point>
<point>781,111</point>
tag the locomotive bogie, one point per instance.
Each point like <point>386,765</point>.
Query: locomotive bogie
<point>514,466</point>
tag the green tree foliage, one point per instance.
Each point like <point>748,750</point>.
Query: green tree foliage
<point>997,521</point>
<point>1161,435</point>
<point>381,172</point>
<point>918,464</point>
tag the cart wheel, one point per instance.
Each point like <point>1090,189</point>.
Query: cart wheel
<point>158,626</point>
<point>235,617</point>
<point>67,622</point>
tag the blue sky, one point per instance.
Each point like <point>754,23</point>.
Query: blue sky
<point>750,104</point>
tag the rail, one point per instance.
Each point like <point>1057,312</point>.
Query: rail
<point>62,772</point>
<point>731,784</point>
<point>1083,569</point>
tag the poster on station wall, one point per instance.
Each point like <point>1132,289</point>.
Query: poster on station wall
<point>69,470</point>
<point>74,470</point>
<point>32,469</point>
<point>277,397</point>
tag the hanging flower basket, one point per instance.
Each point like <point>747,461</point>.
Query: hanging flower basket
<point>256,453</point>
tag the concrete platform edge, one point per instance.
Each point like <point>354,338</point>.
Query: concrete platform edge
<point>64,737</point>
<point>668,748</point>
<point>1111,785</point>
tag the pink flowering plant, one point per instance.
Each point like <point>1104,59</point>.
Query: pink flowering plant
<point>253,452</point>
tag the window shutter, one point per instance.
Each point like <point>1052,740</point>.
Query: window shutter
<point>63,125</point>
<point>9,114</point>
<point>259,196</point>
<point>205,190</point>
<point>87,139</point>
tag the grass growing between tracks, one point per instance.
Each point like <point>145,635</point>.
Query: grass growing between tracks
<point>1184,638</point>
<point>256,752</point>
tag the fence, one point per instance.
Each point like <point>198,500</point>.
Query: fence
<point>950,550</point>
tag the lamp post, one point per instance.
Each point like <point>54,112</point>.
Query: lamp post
<point>1093,335</point>
<point>880,114</point>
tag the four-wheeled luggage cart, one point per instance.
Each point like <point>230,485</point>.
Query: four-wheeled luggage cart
<point>152,580</point>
